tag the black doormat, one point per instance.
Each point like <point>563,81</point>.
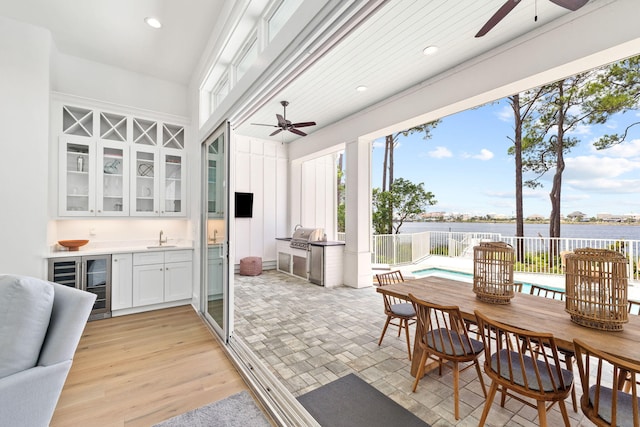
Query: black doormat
<point>351,402</point>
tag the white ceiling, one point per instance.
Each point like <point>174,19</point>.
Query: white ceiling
<point>384,53</point>
<point>113,32</point>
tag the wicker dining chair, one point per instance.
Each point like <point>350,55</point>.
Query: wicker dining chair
<point>568,356</point>
<point>603,401</point>
<point>520,371</point>
<point>541,291</point>
<point>396,308</point>
<point>443,337</point>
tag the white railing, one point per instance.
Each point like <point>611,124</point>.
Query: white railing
<point>532,252</point>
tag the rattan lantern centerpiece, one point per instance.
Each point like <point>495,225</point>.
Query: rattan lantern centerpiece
<point>493,272</point>
<point>596,285</point>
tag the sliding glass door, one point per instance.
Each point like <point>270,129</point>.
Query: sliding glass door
<point>215,231</point>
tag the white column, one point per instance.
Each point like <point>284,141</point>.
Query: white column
<point>357,266</point>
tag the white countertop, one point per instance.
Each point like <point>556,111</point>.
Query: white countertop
<point>118,248</point>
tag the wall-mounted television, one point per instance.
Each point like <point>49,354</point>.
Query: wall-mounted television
<point>244,205</point>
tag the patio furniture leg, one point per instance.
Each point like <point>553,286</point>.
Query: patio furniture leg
<point>488,402</point>
<point>423,360</point>
<point>386,325</point>
<point>563,410</point>
<point>456,393</point>
<point>406,329</point>
<point>542,413</point>
<point>484,390</point>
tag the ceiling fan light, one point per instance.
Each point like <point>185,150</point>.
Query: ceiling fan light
<point>430,50</point>
<point>153,22</point>
<point>361,88</point>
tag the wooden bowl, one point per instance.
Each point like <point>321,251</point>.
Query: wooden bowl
<point>73,245</point>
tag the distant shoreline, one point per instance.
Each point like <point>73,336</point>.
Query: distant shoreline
<point>508,221</point>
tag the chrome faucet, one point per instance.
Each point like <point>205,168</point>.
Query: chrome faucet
<point>161,239</point>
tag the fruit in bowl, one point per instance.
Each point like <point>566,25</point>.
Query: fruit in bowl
<point>72,245</point>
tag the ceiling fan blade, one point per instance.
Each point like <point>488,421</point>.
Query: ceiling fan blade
<point>498,16</point>
<point>303,124</point>
<point>262,124</point>
<point>275,132</point>
<point>281,121</point>
<point>297,132</point>
<point>572,5</point>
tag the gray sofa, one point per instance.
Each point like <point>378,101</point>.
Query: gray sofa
<point>40,326</point>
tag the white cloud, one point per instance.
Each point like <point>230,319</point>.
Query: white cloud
<point>606,185</point>
<point>629,150</point>
<point>594,167</point>
<point>484,155</point>
<point>378,143</point>
<point>440,153</point>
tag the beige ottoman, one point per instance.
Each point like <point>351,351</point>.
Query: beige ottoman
<point>251,266</point>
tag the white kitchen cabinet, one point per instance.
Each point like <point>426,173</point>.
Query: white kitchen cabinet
<point>161,276</point>
<point>159,183</point>
<point>121,281</point>
<point>148,284</point>
<point>177,280</point>
<point>120,165</point>
<point>92,179</point>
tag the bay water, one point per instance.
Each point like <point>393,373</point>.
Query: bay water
<point>578,230</point>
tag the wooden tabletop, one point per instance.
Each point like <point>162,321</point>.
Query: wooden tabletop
<point>525,311</point>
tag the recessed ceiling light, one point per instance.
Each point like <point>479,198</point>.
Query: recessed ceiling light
<point>430,50</point>
<point>361,88</point>
<point>152,22</point>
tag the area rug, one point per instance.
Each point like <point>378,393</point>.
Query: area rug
<point>238,410</point>
<point>352,402</point>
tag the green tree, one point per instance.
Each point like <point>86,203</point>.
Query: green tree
<point>523,109</point>
<point>586,98</point>
<point>408,200</point>
<point>390,143</point>
<point>623,82</point>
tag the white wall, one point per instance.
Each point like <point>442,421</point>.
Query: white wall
<point>261,168</point>
<point>24,119</point>
<point>89,79</point>
<point>317,197</point>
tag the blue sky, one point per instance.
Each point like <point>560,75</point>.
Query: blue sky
<point>466,165</point>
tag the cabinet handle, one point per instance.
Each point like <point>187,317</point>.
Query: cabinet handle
<point>115,260</point>
<point>91,210</point>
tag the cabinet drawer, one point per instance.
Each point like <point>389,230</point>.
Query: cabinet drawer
<point>178,256</point>
<point>143,258</point>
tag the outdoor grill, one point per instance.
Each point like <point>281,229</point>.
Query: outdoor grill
<point>303,236</point>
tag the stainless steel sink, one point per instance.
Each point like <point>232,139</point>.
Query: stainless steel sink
<point>161,246</point>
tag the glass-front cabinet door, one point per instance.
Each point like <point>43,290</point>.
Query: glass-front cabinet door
<point>144,191</point>
<point>112,196</point>
<point>76,178</point>
<point>173,183</point>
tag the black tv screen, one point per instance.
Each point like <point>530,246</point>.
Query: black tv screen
<point>244,205</point>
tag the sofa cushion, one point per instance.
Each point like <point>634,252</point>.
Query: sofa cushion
<point>25,310</point>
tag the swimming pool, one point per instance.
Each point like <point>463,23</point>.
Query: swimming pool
<point>467,277</point>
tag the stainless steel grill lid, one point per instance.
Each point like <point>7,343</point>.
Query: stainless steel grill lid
<point>303,236</point>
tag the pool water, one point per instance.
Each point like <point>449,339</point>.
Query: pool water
<point>465,277</point>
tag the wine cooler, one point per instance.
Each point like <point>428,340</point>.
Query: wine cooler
<point>89,273</point>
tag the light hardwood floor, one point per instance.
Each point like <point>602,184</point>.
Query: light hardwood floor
<point>140,369</point>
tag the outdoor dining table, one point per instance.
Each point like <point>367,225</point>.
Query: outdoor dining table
<point>525,311</point>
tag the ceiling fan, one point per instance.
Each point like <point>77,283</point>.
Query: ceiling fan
<point>504,10</point>
<point>284,124</point>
